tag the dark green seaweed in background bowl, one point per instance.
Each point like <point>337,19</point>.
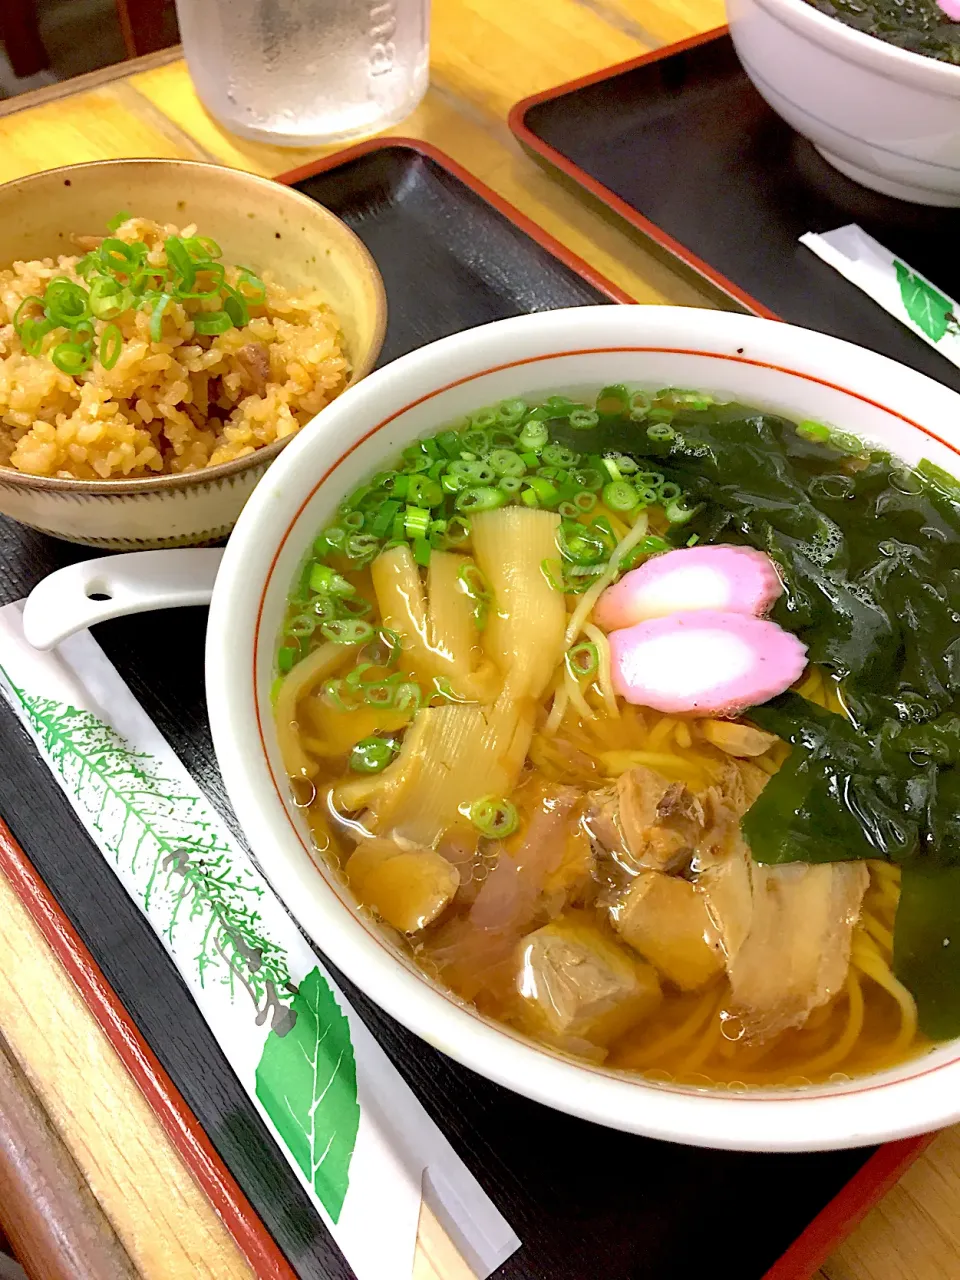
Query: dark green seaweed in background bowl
<point>869,551</point>
<point>920,26</point>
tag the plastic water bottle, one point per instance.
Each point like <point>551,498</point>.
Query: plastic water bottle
<point>294,72</point>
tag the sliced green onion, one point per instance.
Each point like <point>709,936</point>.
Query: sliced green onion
<point>584,502</point>
<point>234,304</point>
<point>202,248</point>
<point>675,398</point>
<point>329,582</point>
<point>480,498</point>
<point>626,464</point>
<point>424,492</point>
<point>409,696</point>
<point>421,551</point>
<point>252,287</point>
<point>560,407</point>
<point>552,570</point>
<point>118,256</point>
<point>286,657</point>
<point>416,522</point>
<point>180,262</point>
<point>301,625</point>
<point>449,443</point>
<point>583,659</point>
<point>212,322</point>
<point>482,420</point>
<point>557,455</point>
<point>661,431</point>
<point>652,545</point>
<point>546,492</point>
<point>845,443</point>
<point>457,531</point>
<point>533,436</point>
<point>815,431</point>
<point>383,520</point>
<point>587,478</point>
<point>480,472</point>
<point>347,630</point>
<point>371,755</point>
<point>19,316</point>
<point>66,303</point>
<point>334,691</point>
<point>494,817</point>
<point>583,419</point>
<point>325,608</point>
<point>669,491</point>
<point>109,298</point>
<point>505,462</point>
<point>214,273</point>
<point>111,344</point>
<point>362,547</point>
<point>678,513</point>
<point>619,495</point>
<point>476,440</point>
<point>32,334</point>
<point>71,358</point>
<point>118,220</point>
<point>510,484</point>
<point>510,412</point>
<point>156,317</point>
<point>472,581</point>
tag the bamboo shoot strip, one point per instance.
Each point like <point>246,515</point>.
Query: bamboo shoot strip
<point>308,1062</point>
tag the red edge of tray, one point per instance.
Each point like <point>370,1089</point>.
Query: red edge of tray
<point>528,139</point>
<point>178,1121</point>
<point>831,1225</point>
<point>888,1164</point>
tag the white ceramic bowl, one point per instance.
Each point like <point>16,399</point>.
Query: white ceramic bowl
<point>757,361</point>
<point>885,117</point>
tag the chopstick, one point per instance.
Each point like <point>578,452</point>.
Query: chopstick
<point>48,1212</point>
<point>436,1256</point>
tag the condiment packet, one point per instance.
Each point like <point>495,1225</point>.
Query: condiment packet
<point>902,292</point>
<point>354,1133</point>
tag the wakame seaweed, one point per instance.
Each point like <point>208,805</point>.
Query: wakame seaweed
<point>869,552</point>
<point>918,25</point>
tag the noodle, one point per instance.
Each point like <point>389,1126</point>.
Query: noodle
<point>839,1051</point>
<point>590,597</point>
<point>604,677</point>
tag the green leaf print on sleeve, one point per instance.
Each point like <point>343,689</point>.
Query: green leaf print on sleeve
<point>926,306</point>
<point>166,839</point>
<point>307,1081</point>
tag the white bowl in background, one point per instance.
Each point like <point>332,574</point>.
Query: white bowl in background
<point>886,117</point>
<point>764,363</point>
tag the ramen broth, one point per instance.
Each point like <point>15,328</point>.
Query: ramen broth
<point>639,888</point>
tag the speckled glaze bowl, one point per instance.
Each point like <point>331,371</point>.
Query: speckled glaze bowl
<point>259,223</point>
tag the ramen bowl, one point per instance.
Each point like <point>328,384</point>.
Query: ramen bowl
<point>884,116</point>
<point>763,363</point>
<point>257,222</point>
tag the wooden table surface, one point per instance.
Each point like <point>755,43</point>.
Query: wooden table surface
<point>486,54</point>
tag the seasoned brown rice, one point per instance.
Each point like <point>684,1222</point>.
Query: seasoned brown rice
<point>180,404</point>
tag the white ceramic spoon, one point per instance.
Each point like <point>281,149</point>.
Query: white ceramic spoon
<point>111,586</point>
